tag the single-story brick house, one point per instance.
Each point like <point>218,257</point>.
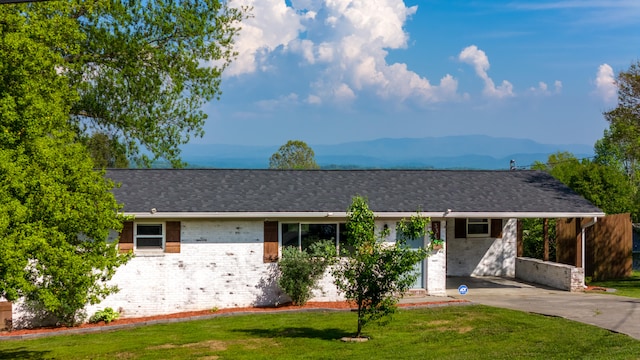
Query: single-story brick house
<point>206,238</point>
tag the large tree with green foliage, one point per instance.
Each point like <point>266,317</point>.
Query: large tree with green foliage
<point>606,186</point>
<point>376,273</point>
<point>141,69</point>
<point>56,210</point>
<point>105,151</point>
<point>295,154</point>
<point>624,120</point>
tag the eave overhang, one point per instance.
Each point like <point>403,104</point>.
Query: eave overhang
<point>342,215</point>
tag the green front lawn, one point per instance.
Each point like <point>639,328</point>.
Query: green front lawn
<point>624,287</point>
<point>456,332</point>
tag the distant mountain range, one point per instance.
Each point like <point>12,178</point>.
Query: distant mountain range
<point>450,152</point>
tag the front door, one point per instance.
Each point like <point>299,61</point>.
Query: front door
<point>419,267</point>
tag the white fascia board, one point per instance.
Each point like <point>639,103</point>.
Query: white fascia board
<point>342,215</point>
<point>265,215</point>
<point>232,215</point>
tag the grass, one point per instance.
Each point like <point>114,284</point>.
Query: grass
<point>456,332</point>
<point>624,287</point>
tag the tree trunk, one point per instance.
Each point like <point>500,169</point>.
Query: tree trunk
<point>359,321</point>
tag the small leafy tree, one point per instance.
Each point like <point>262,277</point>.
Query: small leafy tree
<point>376,274</point>
<point>301,270</point>
<point>295,154</point>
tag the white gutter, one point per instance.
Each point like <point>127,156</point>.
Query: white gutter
<point>153,214</point>
<point>232,215</point>
<point>520,215</point>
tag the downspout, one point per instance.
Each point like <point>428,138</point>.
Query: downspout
<point>584,242</point>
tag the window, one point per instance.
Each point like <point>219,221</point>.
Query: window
<point>477,227</point>
<point>343,248</point>
<point>149,236</point>
<point>164,236</point>
<point>302,235</point>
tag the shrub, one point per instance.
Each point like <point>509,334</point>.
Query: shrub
<point>301,270</point>
<point>107,315</point>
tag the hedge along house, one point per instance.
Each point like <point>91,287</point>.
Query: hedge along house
<point>206,238</point>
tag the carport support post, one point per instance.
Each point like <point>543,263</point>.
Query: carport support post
<point>519,240</point>
<point>545,237</point>
<point>583,238</point>
<point>579,249</point>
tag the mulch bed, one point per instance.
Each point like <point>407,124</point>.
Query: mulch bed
<point>126,322</point>
<point>597,289</point>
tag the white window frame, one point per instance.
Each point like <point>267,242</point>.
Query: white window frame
<point>144,248</point>
<point>483,221</point>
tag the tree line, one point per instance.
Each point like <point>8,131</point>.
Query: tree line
<point>609,180</point>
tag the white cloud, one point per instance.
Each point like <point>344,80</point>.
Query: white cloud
<point>314,99</point>
<point>325,52</point>
<point>346,41</point>
<point>339,93</point>
<point>543,88</point>
<point>271,25</point>
<point>282,101</point>
<point>557,86</point>
<point>480,62</point>
<point>343,93</point>
<point>606,83</point>
<point>304,48</point>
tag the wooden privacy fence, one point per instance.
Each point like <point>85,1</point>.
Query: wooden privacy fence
<point>608,245</point>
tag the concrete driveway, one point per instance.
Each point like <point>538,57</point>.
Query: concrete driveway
<point>615,313</point>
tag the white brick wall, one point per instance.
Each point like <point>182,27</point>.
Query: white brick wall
<point>555,275</point>
<point>482,256</point>
<point>436,267</point>
<point>220,265</point>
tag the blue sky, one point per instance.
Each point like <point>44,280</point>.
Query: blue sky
<point>334,71</point>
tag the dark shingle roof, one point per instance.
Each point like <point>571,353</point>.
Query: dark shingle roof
<point>223,190</point>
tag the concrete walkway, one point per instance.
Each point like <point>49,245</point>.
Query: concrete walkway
<point>616,313</point>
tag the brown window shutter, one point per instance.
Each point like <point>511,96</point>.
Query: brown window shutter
<point>125,243</point>
<point>172,238</point>
<point>6,315</point>
<point>496,228</point>
<point>270,241</point>
<point>461,228</point>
